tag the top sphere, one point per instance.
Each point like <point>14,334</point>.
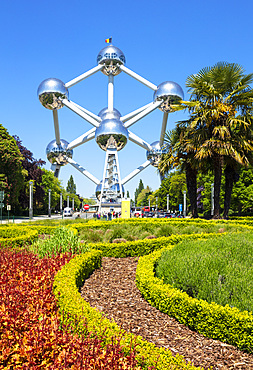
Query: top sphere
<point>171,93</point>
<point>49,92</point>
<point>111,57</point>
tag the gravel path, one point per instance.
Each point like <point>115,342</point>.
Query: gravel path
<point>112,290</point>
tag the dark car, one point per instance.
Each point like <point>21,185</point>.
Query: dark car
<point>180,216</point>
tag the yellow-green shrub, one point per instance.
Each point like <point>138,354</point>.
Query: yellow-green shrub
<point>72,306</point>
<point>212,320</point>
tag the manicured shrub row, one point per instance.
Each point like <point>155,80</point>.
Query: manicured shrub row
<point>212,320</point>
<point>143,247</point>
<point>17,237</point>
<point>31,334</point>
<point>67,283</point>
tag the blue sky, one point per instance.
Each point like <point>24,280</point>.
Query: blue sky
<point>162,41</point>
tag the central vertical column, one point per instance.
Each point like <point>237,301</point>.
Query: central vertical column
<point>110,92</point>
<point>111,183</point>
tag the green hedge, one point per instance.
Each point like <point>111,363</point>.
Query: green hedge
<point>212,320</point>
<point>76,311</point>
<point>15,237</point>
<point>144,246</point>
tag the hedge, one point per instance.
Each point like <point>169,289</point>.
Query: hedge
<point>72,306</point>
<point>15,237</point>
<point>226,324</point>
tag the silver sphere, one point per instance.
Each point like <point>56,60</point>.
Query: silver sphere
<point>111,134</point>
<point>116,189</point>
<point>105,113</point>
<point>171,93</point>
<point>113,190</point>
<point>49,92</point>
<point>99,188</point>
<point>56,154</point>
<point>111,57</point>
<point>155,153</point>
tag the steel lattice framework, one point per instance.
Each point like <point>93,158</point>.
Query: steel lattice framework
<point>111,130</point>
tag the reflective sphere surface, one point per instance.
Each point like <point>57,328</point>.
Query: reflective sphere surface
<point>111,133</point>
<point>99,188</point>
<point>171,93</point>
<point>116,189</point>
<point>49,92</point>
<point>105,113</point>
<point>111,57</point>
<point>56,154</point>
<point>155,154</point>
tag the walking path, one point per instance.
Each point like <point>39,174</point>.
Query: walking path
<point>112,290</point>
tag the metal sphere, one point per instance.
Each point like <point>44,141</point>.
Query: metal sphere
<point>171,93</point>
<point>49,92</point>
<point>99,188</point>
<point>111,57</point>
<point>155,153</point>
<point>108,114</point>
<point>116,189</point>
<point>56,154</point>
<point>111,134</point>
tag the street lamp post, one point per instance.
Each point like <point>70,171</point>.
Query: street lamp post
<point>49,202</point>
<point>68,201</point>
<point>73,204</point>
<point>184,202</point>
<point>156,198</point>
<point>168,200</point>
<point>60,203</point>
<point>30,200</point>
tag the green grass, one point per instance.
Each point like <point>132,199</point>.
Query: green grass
<point>134,232</point>
<point>63,240</point>
<point>216,270</point>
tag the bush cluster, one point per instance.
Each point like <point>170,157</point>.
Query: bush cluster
<point>32,335</point>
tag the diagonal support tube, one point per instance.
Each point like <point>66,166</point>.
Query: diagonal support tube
<point>135,112</point>
<point>80,112</point>
<point>89,135</point>
<point>93,115</point>
<point>83,170</point>
<point>143,113</point>
<point>138,77</point>
<point>135,172</point>
<point>137,140</point>
<point>84,75</point>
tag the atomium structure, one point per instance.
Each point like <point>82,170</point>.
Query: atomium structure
<point>111,130</point>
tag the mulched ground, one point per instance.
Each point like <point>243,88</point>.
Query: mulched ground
<point>112,290</point>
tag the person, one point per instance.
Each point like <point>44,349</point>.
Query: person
<point>94,215</point>
<point>109,216</point>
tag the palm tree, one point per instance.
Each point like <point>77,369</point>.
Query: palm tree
<point>220,105</point>
<point>180,153</point>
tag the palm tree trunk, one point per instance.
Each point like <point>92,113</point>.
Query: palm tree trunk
<point>191,182</point>
<point>230,178</point>
<point>217,163</point>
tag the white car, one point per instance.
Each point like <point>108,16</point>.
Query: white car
<point>68,212</point>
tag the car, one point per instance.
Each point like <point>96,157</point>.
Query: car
<point>68,212</point>
<point>150,214</point>
<point>180,216</point>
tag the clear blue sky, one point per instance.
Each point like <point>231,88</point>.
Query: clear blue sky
<point>161,41</point>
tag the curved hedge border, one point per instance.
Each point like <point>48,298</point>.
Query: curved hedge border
<point>210,319</point>
<point>67,283</point>
<point>145,246</point>
<point>15,237</point>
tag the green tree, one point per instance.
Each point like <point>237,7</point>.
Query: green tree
<point>11,170</point>
<point>71,186</point>
<point>142,199</point>
<point>220,106</point>
<point>174,185</point>
<point>49,181</point>
<point>138,190</point>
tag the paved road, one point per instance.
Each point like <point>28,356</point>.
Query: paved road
<point>18,220</point>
